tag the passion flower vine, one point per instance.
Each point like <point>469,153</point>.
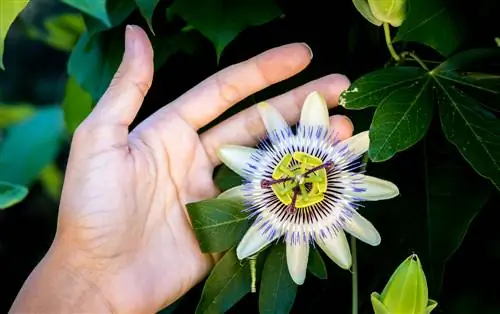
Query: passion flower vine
<point>304,188</point>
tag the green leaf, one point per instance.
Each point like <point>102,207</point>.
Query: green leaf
<point>51,179</point>
<point>31,145</point>
<point>95,8</point>
<point>277,289</point>
<point>454,70</point>
<point>475,132</point>
<point>11,194</point>
<point>228,282</point>
<point>401,120</point>
<point>77,104</point>
<point>218,223</point>
<point>118,11</point>
<point>226,178</point>
<point>147,8</point>
<point>95,59</point>
<point>424,18</point>
<point>221,21</point>
<point>371,89</point>
<point>316,265</point>
<point>165,47</point>
<point>60,32</point>
<point>9,9</point>
<point>454,196</point>
<point>12,114</point>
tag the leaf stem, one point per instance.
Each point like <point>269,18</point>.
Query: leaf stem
<point>388,41</point>
<point>354,271</point>
<point>405,54</point>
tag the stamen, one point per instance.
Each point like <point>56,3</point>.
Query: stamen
<point>266,183</point>
<point>291,208</point>
<point>327,165</point>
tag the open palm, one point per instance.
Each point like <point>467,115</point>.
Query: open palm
<point>122,222</point>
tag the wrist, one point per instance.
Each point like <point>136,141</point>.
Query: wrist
<point>56,285</point>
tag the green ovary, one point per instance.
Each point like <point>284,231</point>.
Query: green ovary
<point>311,187</point>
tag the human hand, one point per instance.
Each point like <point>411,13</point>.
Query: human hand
<point>123,235</point>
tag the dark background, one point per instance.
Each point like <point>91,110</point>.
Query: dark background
<point>342,42</point>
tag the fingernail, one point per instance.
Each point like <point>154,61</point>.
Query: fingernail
<point>130,39</point>
<point>350,121</point>
<point>310,50</point>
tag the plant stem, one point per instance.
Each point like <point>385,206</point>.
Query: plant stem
<point>253,273</point>
<point>354,276</point>
<point>416,58</point>
<point>388,41</point>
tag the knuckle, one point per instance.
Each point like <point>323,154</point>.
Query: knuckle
<point>122,82</point>
<point>228,92</point>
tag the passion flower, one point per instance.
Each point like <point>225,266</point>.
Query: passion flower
<point>304,187</point>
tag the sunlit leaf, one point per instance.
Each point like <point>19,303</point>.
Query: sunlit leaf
<point>61,32</point>
<point>228,282</point>
<point>218,223</point>
<point>95,8</point>
<point>51,179</point>
<point>316,265</point>
<point>22,160</point>
<point>424,18</point>
<point>221,21</point>
<point>9,9</point>
<point>401,119</point>
<point>277,289</point>
<point>11,114</point>
<point>11,194</point>
<point>371,89</point>
<point>77,104</point>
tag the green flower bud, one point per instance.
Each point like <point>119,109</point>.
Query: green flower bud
<point>378,12</point>
<point>406,292</point>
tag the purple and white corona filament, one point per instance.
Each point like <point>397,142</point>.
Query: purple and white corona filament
<point>304,187</point>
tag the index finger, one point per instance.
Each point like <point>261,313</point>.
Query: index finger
<point>209,99</point>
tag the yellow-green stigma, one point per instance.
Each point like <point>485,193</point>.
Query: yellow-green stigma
<point>299,180</point>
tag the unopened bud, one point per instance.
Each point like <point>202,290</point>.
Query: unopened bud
<point>378,12</point>
<point>406,292</point>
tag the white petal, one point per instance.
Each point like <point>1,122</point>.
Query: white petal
<point>358,143</point>
<point>296,258</point>
<point>235,192</point>
<point>373,189</point>
<point>361,228</point>
<point>235,157</point>
<point>253,241</point>
<point>337,248</point>
<point>273,120</point>
<point>315,111</point>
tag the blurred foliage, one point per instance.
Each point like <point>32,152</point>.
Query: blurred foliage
<point>433,120</point>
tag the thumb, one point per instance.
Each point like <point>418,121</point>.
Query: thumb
<point>119,105</point>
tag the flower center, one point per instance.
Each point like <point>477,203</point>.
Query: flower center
<point>299,180</point>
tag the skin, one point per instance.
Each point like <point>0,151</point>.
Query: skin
<point>124,242</point>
